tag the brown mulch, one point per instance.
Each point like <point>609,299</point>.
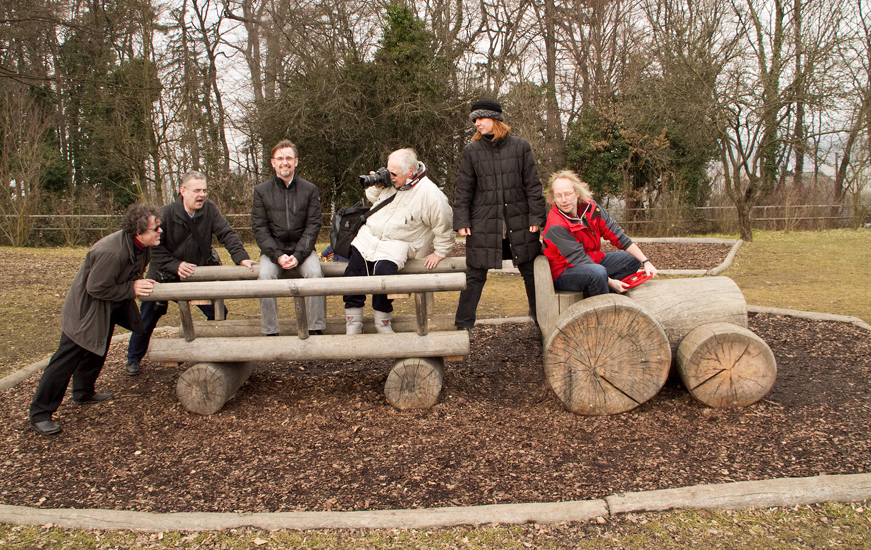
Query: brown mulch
<point>320,436</point>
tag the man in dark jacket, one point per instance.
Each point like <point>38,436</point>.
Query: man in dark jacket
<point>286,219</point>
<point>102,295</point>
<point>498,206</point>
<point>188,224</point>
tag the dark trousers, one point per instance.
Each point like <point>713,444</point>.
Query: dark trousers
<point>151,314</point>
<point>592,279</point>
<point>359,267</point>
<point>475,279</point>
<point>69,361</point>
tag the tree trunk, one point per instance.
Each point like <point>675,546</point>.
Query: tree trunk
<point>415,383</point>
<point>724,365</point>
<point>205,387</point>
<point>606,356</point>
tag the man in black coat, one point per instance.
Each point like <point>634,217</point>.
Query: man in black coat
<point>286,220</point>
<point>188,224</point>
<point>498,206</point>
<point>102,295</point>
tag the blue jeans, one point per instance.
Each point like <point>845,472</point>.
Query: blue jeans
<point>592,279</point>
<point>151,314</point>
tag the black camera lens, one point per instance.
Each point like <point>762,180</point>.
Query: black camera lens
<point>380,177</point>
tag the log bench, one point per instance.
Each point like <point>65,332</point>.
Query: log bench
<point>608,354</point>
<point>224,351</point>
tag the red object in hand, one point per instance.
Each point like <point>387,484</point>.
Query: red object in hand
<point>635,279</point>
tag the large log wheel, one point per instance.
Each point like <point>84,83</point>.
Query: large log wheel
<point>606,356</point>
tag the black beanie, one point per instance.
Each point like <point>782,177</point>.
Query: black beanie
<point>486,108</point>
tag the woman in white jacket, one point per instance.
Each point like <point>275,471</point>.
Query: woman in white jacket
<point>416,220</point>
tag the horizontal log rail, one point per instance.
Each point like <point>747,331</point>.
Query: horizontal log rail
<point>291,348</point>
<point>393,284</point>
<point>330,269</point>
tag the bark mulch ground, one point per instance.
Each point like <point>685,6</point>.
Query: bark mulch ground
<point>320,436</point>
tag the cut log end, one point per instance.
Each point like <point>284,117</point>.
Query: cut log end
<point>415,383</point>
<point>606,356</point>
<point>206,387</point>
<point>724,365</point>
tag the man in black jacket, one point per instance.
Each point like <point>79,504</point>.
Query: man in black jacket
<point>102,295</point>
<point>188,224</point>
<point>286,220</point>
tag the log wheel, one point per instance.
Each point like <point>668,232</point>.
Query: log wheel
<point>415,383</point>
<point>724,365</point>
<point>607,355</point>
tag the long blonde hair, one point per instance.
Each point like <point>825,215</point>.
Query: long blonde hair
<point>581,187</point>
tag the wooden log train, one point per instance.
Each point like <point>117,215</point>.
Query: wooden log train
<point>602,355</point>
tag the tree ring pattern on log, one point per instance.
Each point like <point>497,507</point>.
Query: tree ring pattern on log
<point>725,365</point>
<point>205,387</point>
<point>415,383</point>
<point>607,355</point>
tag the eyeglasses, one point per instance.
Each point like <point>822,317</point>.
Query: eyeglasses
<point>201,190</point>
<point>282,159</point>
<point>566,196</point>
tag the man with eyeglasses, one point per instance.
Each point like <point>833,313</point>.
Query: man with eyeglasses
<point>188,225</point>
<point>102,295</point>
<point>286,220</point>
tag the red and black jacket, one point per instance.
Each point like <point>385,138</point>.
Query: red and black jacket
<point>576,241</point>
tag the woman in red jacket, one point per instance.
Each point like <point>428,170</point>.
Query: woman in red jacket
<point>573,235</point>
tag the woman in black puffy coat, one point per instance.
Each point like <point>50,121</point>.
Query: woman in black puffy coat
<point>498,206</point>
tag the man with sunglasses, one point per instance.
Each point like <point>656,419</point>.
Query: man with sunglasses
<point>102,295</point>
<point>188,224</point>
<point>286,220</point>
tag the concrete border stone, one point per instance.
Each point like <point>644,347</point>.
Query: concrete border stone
<point>743,494</point>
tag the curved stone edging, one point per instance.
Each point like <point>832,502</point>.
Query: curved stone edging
<point>812,315</point>
<point>727,496</point>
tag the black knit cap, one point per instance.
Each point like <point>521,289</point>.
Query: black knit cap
<point>486,108</point>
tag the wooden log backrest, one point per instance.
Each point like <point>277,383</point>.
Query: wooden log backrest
<point>549,303</point>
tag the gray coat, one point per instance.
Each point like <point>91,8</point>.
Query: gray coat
<point>104,282</point>
<point>498,184</point>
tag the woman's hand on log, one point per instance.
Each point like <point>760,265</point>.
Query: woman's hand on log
<point>249,264</point>
<point>143,287</point>
<point>619,286</point>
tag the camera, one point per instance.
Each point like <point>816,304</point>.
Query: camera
<point>380,177</point>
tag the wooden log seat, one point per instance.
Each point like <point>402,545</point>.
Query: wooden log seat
<point>316,348</point>
<point>206,387</point>
<point>681,305</point>
<point>725,365</point>
<point>246,328</point>
<point>606,355</point>
<point>415,383</point>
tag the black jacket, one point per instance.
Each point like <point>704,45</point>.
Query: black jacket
<point>178,244</point>
<point>497,181</point>
<point>286,220</point>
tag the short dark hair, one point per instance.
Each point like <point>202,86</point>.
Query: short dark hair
<point>282,144</point>
<point>136,219</point>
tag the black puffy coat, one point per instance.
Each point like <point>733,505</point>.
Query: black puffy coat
<point>497,181</point>
<point>286,220</point>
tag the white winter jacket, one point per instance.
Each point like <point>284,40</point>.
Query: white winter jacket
<point>406,228</point>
